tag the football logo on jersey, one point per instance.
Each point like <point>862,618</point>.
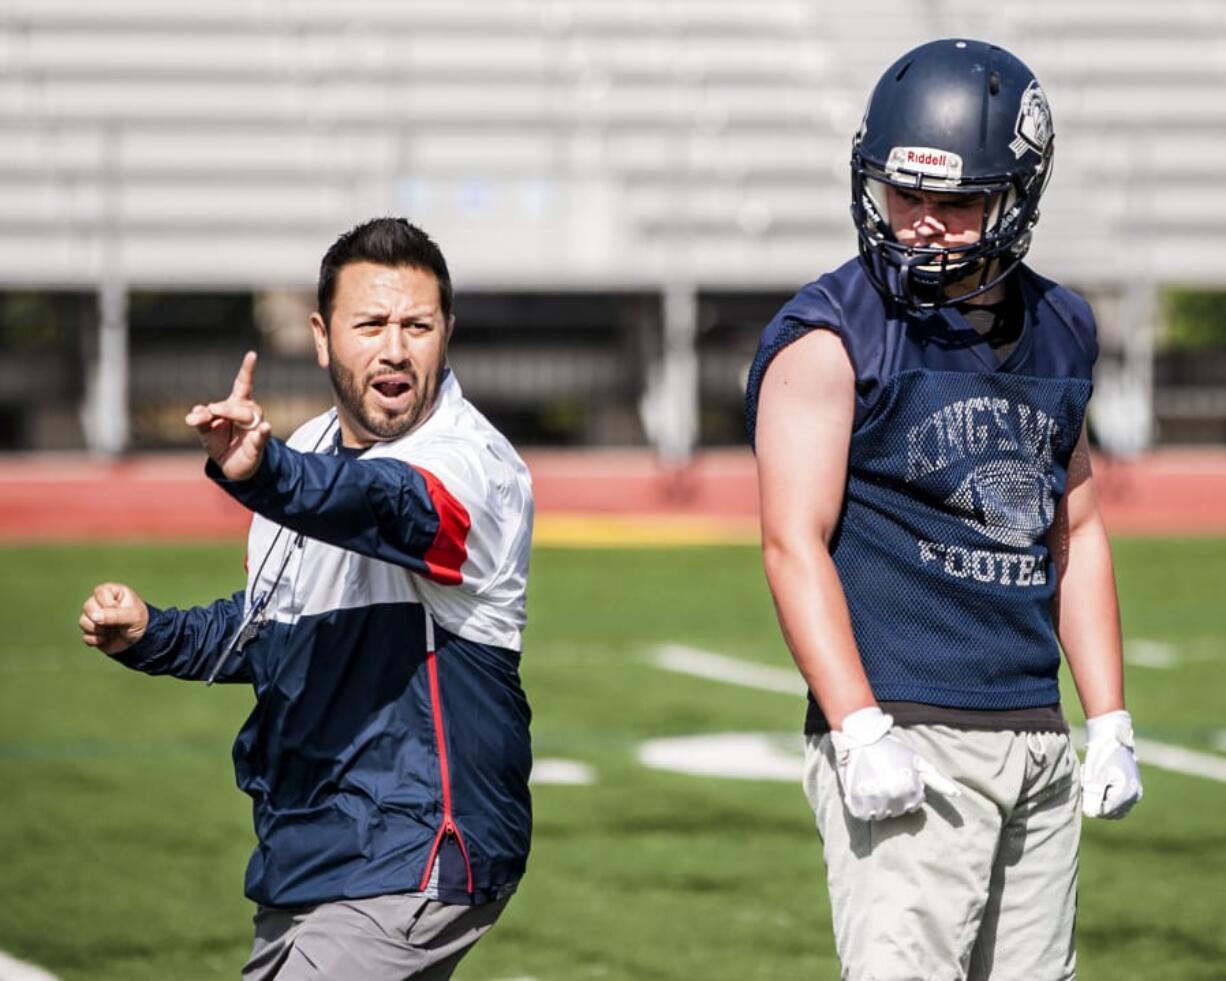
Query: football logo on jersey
<point>1009,501</point>
<point>1033,126</point>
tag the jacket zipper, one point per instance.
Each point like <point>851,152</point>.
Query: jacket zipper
<point>448,827</point>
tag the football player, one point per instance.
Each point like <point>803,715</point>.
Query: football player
<point>932,539</point>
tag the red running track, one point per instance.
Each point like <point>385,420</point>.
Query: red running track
<point>49,497</point>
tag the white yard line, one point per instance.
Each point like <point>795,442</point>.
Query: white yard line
<point>1142,653</point>
<point>734,755</point>
<point>12,969</point>
<point>1150,654</point>
<point>720,667</point>
<point>1180,760</point>
<point>560,771</point>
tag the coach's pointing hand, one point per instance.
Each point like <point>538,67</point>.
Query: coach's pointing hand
<point>234,432</point>
<point>113,618</point>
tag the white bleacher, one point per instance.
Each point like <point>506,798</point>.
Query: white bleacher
<point>148,132</point>
<point>692,139</point>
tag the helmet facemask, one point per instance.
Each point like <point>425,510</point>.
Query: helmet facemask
<point>925,277</point>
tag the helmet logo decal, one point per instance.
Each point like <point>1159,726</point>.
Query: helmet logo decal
<point>1033,126</point>
<point>924,161</point>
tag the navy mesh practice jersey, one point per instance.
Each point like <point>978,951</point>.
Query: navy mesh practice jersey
<point>956,466</point>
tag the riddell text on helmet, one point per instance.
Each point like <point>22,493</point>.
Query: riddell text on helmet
<point>925,160</point>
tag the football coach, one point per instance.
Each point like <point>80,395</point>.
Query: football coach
<point>387,756</point>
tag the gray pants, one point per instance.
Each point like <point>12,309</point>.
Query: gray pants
<point>383,938</point>
<point>967,888</point>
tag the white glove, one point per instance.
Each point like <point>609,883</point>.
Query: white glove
<point>1110,781</point>
<point>880,775</point>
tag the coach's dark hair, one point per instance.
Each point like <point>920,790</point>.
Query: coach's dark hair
<point>387,242</point>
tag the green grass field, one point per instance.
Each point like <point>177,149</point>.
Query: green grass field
<point>124,839</point>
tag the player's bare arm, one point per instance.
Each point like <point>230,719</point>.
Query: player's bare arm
<point>802,469</point>
<point>1086,611</point>
<point>113,618</point>
<point>233,431</point>
<point>1087,617</point>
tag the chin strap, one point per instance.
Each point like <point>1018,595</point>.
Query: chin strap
<point>918,290</point>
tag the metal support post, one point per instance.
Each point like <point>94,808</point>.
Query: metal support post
<point>105,410</point>
<point>675,399</point>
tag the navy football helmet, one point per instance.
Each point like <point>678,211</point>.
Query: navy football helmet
<point>961,117</point>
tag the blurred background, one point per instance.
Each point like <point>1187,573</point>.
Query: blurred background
<point>626,190</point>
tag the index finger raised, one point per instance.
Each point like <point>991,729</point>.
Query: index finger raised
<point>244,381</point>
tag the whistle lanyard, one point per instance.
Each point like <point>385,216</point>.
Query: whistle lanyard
<point>253,621</point>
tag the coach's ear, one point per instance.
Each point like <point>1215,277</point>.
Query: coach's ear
<point>319,333</point>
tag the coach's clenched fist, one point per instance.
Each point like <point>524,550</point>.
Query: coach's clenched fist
<point>233,432</point>
<point>113,618</point>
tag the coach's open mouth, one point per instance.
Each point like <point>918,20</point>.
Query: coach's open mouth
<point>393,394</point>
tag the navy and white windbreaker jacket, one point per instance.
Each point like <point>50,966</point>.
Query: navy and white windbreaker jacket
<point>388,750</point>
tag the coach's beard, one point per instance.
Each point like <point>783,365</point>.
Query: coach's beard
<point>352,397</point>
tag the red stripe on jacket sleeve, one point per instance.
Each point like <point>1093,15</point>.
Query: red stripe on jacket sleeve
<point>445,557</point>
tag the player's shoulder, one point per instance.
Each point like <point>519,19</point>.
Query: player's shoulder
<point>1063,314</point>
<point>833,300</point>
<point>1063,301</point>
<point>843,301</point>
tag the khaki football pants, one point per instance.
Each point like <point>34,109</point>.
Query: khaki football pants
<point>967,888</point>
